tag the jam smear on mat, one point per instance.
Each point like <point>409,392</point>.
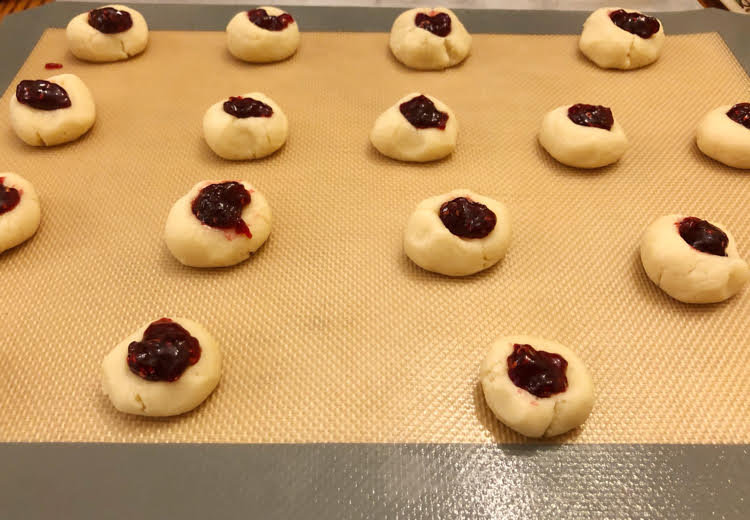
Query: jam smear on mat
<point>109,20</point>
<point>269,22</point>
<point>42,94</point>
<point>52,65</point>
<point>421,112</point>
<point>243,107</point>
<point>539,373</point>
<point>220,206</point>
<point>467,219</point>
<point>164,353</point>
<point>9,197</point>
<point>438,24</point>
<point>740,113</point>
<point>591,115</point>
<point>703,236</point>
<point>635,23</point>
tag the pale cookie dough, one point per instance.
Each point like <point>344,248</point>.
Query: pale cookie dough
<point>685,273</point>
<point>581,146</point>
<point>90,44</point>
<point>196,244</point>
<point>133,394</point>
<point>39,127</point>
<point>250,42</point>
<point>525,412</point>
<point>611,47</point>
<point>723,139</point>
<point>240,138</point>
<point>432,246</point>
<point>420,49</point>
<point>19,223</point>
<point>395,137</point>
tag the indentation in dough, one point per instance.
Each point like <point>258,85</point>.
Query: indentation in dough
<point>140,401</point>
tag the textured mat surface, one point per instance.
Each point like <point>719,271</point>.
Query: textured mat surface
<point>329,332</point>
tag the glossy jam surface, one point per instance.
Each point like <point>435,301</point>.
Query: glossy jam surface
<point>467,219</point>
<point>422,113</point>
<point>9,197</point>
<point>438,24</point>
<point>269,22</point>
<point>109,20</point>
<point>703,236</point>
<point>740,113</point>
<point>52,65</point>
<point>591,115</point>
<point>220,206</point>
<point>42,94</point>
<point>238,106</point>
<point>164,353</point>
<point>635,23</point>
<point>539,373</point>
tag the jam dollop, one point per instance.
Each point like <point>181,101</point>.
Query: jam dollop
<point>591,115</point>
<point>164,353</point>
<point>536,371</point>
<point>421,112</point>
<point>42,94</point>
<point>467,219</point>
<point>740,113</point>
<point>109,20</point>
<point>243,107</point>
<point>220,206</point>
<point>703,236</point>
<point>438,24</point>
<point>635,23</point>
<point>269,22</point>
<point>9,197</point>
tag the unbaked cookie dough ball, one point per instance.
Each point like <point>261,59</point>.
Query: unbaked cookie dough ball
<point>110,33</point>
<point>262,35</point>
<point>583,136</point>
<point>418,128</point>
<point>429,39</point>
<point>535,386</point>
<point>616,39</point>
<point>167,367</point>
<point>217,224</point>
<point>693,260</point>
<point>724,134</point>
<point>249,126</point>
<point>53,111</point>
<point>19,210</point>
<point>458,233</point>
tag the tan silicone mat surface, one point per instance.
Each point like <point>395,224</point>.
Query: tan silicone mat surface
<point>330,333</point>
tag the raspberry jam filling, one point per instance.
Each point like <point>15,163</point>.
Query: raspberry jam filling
<point>109,20</point>
<point>703,236</point>
<point>539,373</point>
<point>164,353</point>
<point>635,23</point>
<point>467,219</point>
<point>42,94</point>
<point>740,113</point>
<point>220,206</point>
<point>269,22</point>
<point>595,116</point>
<point>438,24</point>
<point>240,107</point>
<point>420,111</point>
<point>9,197</point>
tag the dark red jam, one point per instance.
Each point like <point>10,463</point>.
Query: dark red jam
<point>238,106</point>
<point>538,372</point>
<point>591,115</point>
<point>635,23</point>
<point>467,219</point>
<point>164,353</point>
<point>438,24</point>
<point>740,113</point>
<point>421,113</point>
<point>220,206</point>
<point>42,94</point>
<point>9,197</point>
<point>269,22</point>
<point>51,65</point>
<point>110,20</point>
<point>703,236</point>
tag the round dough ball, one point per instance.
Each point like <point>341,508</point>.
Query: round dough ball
<point>198,245</point>
<point>685,273</point>
<point>420,49</point>
<point>430,245</point>
<point>581,146</point>
<point>243,138</point>
<point>51,127</point>
<point>395,137</point>
<point>90,44</point>
<point>20,223</point>
<point>249,42</point>
<point>133,394</point>
<point>723,139</point>
<point>611,47</point>
<point>524,412</point>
